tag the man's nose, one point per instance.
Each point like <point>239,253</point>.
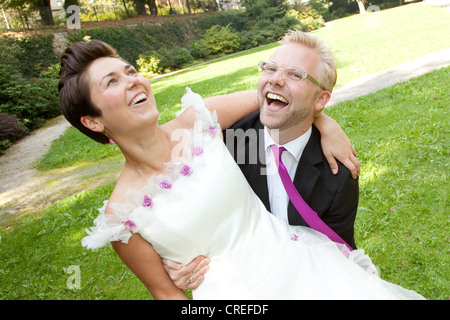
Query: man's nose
<point>278,78</point>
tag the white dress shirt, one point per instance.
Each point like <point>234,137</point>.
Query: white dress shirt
<point>278,197</point>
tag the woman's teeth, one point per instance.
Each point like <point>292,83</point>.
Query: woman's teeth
<point>138,98</point>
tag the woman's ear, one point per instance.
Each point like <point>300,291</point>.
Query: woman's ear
<point>92,124</point>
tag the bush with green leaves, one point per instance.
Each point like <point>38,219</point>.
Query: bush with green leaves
<point>10,131</point>
<point>265,31</point>
<point>28,84</point>
<point>130,41</point>
<point>217,40</point>
<point>199,49</point>
<point>148,64</point>
<point>33,101</point>
<point>163,60</point>
<point>309,18</point>
<point>235,19</point>
<point>221,40</point>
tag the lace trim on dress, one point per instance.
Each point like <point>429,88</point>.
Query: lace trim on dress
<point>117,226</point>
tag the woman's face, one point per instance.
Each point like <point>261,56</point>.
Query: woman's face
<point>124,97</point>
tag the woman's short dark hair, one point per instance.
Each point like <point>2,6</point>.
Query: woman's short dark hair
<point>74,93</point>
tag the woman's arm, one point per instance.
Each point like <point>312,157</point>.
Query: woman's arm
<point>233,107</point>
<point>336,145</point>
<point>146,264</point>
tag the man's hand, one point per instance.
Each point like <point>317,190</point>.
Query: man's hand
<point>189,276</point>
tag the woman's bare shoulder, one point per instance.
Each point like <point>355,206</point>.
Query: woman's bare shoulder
<point>184,121</point>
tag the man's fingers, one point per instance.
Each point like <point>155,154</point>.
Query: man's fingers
<point>197,278</point>
<point>193,284</point>
<point>189,276</point>
<point>169,264</point>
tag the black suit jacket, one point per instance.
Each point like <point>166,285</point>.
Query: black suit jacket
<point>333,197</point>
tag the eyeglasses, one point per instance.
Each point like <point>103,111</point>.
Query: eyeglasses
<point>294,74</point>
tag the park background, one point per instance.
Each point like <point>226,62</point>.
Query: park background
<point>400,133</point>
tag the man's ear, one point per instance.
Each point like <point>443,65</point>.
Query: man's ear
<point>322,100</point>
<point>92,124</point>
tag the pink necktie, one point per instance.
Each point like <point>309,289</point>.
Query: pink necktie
<point>308,214</point>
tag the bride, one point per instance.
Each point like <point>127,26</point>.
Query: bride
<point>180,195</point>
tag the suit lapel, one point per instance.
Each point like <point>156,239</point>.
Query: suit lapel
<point>306,175</point>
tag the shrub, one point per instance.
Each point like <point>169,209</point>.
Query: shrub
<point>29,55</point>
<point>309,18</point>
<point>199,49</point>
<point>10,131</point>
<point>32,101</point>
<point>234,19</point>
<point>219,40</point>
<point>130,42</point>
<point>163,60</point>
<point>36,55</point>
<point>149,64</point>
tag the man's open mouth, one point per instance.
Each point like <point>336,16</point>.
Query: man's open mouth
<point>275,101</point>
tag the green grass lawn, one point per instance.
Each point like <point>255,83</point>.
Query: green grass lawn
<point>400,133</point>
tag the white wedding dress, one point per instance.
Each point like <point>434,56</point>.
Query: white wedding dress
<point>203,205</point>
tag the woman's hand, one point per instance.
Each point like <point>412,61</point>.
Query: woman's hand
<point>189,276</point>
<point>336,145</point>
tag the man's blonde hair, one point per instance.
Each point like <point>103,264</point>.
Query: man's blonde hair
<point>326,73</point>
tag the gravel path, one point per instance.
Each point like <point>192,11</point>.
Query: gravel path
<point>21,184</point>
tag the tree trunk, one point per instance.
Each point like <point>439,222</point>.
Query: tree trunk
<point>188,6</point>
<point>362,9</point>
<point>45,11</point>
<point>153,8</point>
<point>126,9</point>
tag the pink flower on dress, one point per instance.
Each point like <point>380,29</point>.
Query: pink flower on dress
<point>197,151</point>
<point>129,224</point>
<point>186,170</point>
<point>294,237</point>
<point>147,202</point>
<point>212,131</point>
<point>346,253</point>
<point>165,184</point>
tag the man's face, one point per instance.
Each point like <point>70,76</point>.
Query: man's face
<point>286,104</point>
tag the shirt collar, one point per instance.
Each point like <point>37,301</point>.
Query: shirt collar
<point>295,147</point>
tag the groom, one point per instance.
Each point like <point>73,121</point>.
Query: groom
<point>294,87</point>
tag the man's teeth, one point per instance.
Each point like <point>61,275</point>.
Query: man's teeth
<point>138,98</point>
<point>274,96</point>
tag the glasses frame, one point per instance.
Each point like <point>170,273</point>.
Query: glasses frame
<point>304,75</point>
